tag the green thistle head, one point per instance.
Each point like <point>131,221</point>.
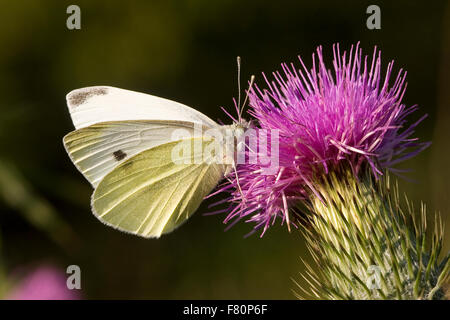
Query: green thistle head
<point>369,245</point>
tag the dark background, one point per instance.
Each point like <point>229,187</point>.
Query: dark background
<point>185,51</point>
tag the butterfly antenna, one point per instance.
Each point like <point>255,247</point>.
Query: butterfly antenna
<point>238,60</point>
<point>252,80</point>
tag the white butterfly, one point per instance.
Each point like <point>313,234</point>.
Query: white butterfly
<point>123,144</point>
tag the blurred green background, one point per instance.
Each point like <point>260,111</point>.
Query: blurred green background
<point>185,51</point>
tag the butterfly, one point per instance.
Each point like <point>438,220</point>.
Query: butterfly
<point>124,146</point>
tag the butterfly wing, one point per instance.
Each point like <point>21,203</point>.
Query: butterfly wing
<point>92,105</point>
<point>149,194</point>
<point>99,148</point>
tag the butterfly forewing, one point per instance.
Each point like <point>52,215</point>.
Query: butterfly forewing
<point>92,105</point>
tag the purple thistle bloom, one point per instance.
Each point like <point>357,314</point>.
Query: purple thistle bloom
<point>325,118</point>
<point>43,283</point>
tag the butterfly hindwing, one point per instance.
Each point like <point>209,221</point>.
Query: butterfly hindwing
<point>149,194</point>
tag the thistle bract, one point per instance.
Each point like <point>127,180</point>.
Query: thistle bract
<point>369,244</point>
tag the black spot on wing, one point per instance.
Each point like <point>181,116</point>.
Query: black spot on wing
<point>82,95</point>
<point>119,155</point>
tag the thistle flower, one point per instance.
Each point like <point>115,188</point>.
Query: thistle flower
<point>338,133</point>
<point>44,283</point>
<point>350,115</point>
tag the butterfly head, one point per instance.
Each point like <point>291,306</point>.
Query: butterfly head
<point>243,124</point>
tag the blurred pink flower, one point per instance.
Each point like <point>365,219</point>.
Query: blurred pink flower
<point>43,283</point>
